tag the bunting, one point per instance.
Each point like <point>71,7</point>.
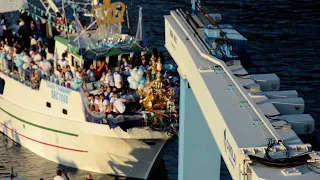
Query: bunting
<point>34,11</point>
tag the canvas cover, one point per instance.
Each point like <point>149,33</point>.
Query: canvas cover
<point>6,5</point>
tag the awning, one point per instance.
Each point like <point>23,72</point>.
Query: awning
<point>6,5</point>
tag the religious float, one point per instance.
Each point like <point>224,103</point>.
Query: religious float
<point>53,120</point>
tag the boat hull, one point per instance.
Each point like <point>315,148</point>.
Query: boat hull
<point>82,145</point>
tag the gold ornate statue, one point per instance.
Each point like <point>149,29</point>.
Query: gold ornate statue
<point>155,96</point>
<point>147,101</point>
<point>159,65</point>
<point>107,13</point>
<point>157,84</point>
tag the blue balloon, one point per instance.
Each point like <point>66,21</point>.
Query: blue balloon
<point>143,81</point>
<point>168,66</point>
<point>131,86</point>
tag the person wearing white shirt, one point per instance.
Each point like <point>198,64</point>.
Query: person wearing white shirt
<point>118,80</point>
<point>127,96</point>
<point>33,65</point>
<point>102,104</point>
<point>79,73</point>
<point>59,74</point>
<point>68,74</point>
<point>26,61</point>
<point>91,73</point>
<point>45,66</point>
<point>113,97</point>
<point>119,105</point>
<point>59,176</point>
<point>33,41</point>
<point>36,57</point>
<point>63,63</point>
<point>103,78</point>
<point>109,79</point>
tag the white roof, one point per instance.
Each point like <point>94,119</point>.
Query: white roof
<point>7,7</point>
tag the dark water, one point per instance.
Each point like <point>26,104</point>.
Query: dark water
<point>283,39</point>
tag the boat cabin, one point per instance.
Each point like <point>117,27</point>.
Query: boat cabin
<point>83,53</point>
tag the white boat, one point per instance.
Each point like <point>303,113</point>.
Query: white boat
<point>53,122</point>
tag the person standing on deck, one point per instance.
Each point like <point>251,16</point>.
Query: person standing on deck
<point>62,62</point>
<point>101,66</point>
<point>59,176</point>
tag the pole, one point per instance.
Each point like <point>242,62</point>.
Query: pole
<point>128,20</point>
<point>65,20</point>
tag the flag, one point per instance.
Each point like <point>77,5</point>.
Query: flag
<point>79,28</point>
<point>141,34</point>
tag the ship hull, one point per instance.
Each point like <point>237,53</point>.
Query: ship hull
<point>81,145</point>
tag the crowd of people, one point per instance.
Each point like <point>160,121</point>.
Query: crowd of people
<point>25,54</point>
<point>115,95</point>
<point>24,51</point>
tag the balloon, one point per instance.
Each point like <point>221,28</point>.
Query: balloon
<point>133,80</point>
<point>133,73</point>
<point>143,81</point>
<point>129,79</point>
<point>9,57</point>
<point>141,86</point>
<point>138,77</point>
<point>131,87</point>
<point>168,66</point>
<point>134,85</point>
<point>140,72</point>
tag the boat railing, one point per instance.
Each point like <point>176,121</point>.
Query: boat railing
<point>91,117</point>
<point>24,76</point>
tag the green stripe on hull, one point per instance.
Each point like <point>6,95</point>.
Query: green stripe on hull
<point>38,126</point>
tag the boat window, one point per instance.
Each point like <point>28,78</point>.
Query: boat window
<point>64,111</point>
<point>72,61</point>
<point>76,63</point>
<point>2,84</point>
<point>113,61</point>
<point>48,105</point>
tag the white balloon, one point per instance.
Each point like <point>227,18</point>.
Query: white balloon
<point>138,77</point>
<point>134,85</point>
<point>140,72</point>
<point>129,79</point>
<point>141,86</point>
<point>133,73</point>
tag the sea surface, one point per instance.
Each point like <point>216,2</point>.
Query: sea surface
<point>283,37</point>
